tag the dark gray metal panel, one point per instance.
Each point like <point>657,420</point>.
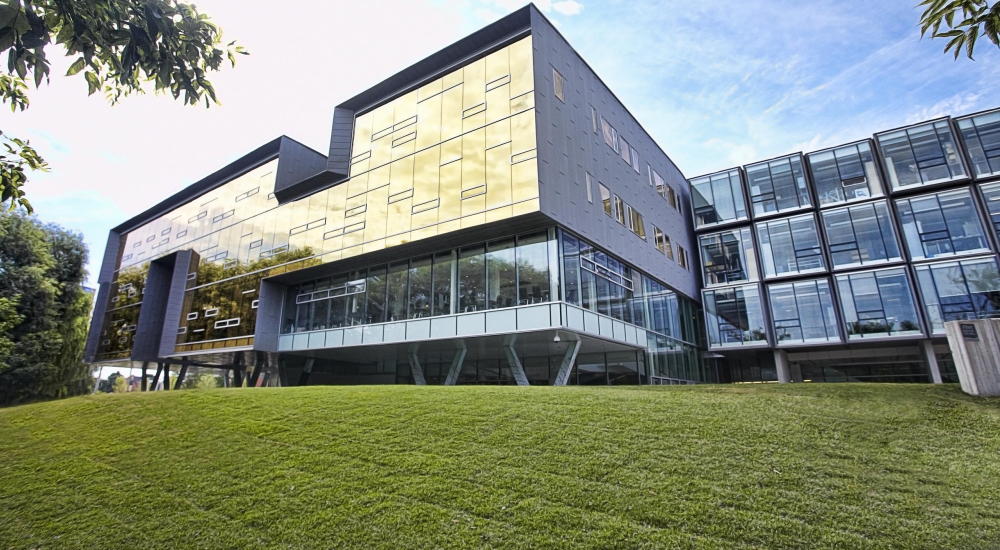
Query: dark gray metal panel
<point>269,304</point>
<point>104,278</point>
<point>146,344</point>
<point>186,262</point>
<point>568,149</point>
<point>297,166</point>
<point>339,159</point>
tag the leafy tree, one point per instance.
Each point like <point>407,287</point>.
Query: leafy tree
<point>42,339</point>
<point>977,19</point>
<point>200,381</point>
<point>119,384</point>
<point>122,47</point>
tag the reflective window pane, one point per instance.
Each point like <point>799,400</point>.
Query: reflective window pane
<point>861,235</point>
<point>845,174</point>
<point>375,295</point>
<point>718,198</point>
<point>802,312</point>
<point>396,291</point>
<point>472,279</point>
<point>533,269</point>
<point>941,224</point>
<point>500,275</point>
<point>420,291</point>
<point>955,291</point>
<point>734,317</point>
<point>777,186</point>
<point>728,257</point>
<point>790,246</point>
<point>921,155</point>
<point>981,135</point>
<point>443,265</point>
<point>878,304</point>
<point>991,193</point>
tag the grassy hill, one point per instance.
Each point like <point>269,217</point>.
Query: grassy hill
<point>848,466</point>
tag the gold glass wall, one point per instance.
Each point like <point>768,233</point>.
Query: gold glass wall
<point>455,153</point>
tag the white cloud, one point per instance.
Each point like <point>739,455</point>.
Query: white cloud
<point>957,104</point>
<point>568,7</point>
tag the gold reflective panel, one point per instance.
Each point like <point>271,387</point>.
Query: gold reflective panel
<point>457,152</point>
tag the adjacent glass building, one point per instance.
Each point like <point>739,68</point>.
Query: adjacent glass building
<point>865,251</point>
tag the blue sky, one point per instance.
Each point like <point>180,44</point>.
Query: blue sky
<point>717,84</point>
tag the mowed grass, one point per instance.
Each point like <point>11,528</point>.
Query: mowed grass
<point>792,466</point>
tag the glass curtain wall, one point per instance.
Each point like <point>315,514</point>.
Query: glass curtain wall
<point>861,235</point>
<point>778,186</point>
<point>845,174</point>
<point>802,312</point>
<point>718,198</point>
<point>735,317</point>
<point>790,246</point>
<point>728,257</point>
<point>878,304</point>
<point>956,291</point>
<point>991,193</point>
<point>942,224</point>
<point>981,135</point>
<point>921,155</point>
<point>499,274</point>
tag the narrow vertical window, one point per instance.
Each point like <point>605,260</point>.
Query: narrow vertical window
<point>593,117</point>
<point>668,247</point>
<point>624,149</point>
<point>658,239</point>
<point>619,210</point>
<point>558,83</point>
<point>606,199</point>
<point>672,197</point>
<point>635,160</point>
<point>590,192</point>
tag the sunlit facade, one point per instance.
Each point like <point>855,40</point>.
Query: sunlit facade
<point>449,236</point>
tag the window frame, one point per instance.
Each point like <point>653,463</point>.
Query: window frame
<point>802,192</point>
<point>875,188</point>
<point>925,273</point>
<point>739,292</point>
<point>886,226</point>
<point>558,85</point>
<point>747,257</point>
<point>817,250</point>
<point>969,150</point>
<point>921,236</point>
<point>894,186</point>
<point>738,199</point>
<point>828,323</point>
<point>852,295</point>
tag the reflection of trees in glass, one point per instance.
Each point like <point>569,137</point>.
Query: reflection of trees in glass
<point>984,282</point>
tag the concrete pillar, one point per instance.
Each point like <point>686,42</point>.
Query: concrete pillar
<point>416,369</point>
<point>566,367</point>
<point>781,364</point>
<point>975,348</point>
<point>456,366</point>
<point>927,347</point>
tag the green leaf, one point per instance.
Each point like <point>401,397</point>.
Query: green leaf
<point>76,67</point>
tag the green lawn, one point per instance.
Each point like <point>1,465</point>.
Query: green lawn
<point>792,466</point>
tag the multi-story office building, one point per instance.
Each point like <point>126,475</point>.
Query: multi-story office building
<point>491,214</point>
<point>844,264</point>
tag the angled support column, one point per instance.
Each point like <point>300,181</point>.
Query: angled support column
<point>181,375</point>
<point>456,366</point>
<point>304,378</point>
<point>166,376</point>
<point>415,368</point>
<point>143,384</point>
<point>515,363</point>
<point>260,360</point>
<point>930,357</point>
<point>239,371</point>
<point>156,377</point>
<point>566,367</point>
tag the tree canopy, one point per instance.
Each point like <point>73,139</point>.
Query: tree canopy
<point>43,311</point>
<point>121,47</point>
<point>975,18</point>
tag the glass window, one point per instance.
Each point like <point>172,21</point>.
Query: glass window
<point>658,240</point>
<point>356,299</point>
<point>672,197</point>
<point>533,269</point>
<point>610,135</point>
<point>728,257</point>
<point>558,82</point>
<point>606,199</point>
<point>500,274</point>
<point>682,257</point>
<point>734,317</point>
<point>420,288</point>
<point>790,246</point>
<point>658,183</point>
<point>803,312</point>
<point>624,149</point>
<point>845,174</point>
<point>878,304</point>
<point>920,155</point>
<point>981,135</point>
<point>443,264</point>
<point>571,267</point>
<point>991,193</point>
<point>619,210</point>
<point>590,185</point>
<point>472,279</point>
<point>941,224</point>
<point>635,222</point>
<point>635,160</point>
<point>396,295</point>
<point>777,186</point>
<point>955,291</point>
<point>718,198</point>
<point>375,295</point>
<point>861,235</point>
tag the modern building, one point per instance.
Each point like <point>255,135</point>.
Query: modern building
<point>492,214</point>
<point>844,264</point>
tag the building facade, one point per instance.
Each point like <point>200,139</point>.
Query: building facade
<point>844,264</point>
<point>489,215</point>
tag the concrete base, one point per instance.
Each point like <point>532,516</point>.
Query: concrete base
<point>975,347</point>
